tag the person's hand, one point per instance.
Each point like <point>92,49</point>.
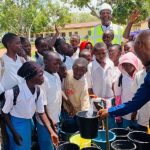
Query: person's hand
<point>72,111</point>
<point>18,139</point>
<point>103,113</point>
<point>55,139</point>
<point>134,16</point>
<point>133,116</point>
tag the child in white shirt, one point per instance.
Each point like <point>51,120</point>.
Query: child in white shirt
<point>18,115</point>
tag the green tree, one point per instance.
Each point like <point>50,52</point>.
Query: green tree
<point>121,8</point>
<point>31,16</point>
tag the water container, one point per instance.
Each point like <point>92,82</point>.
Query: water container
<point>100,140</point>
<point>68,146</point>
<point>123,145</point>
<point>82,143</point>
<point>88,126</point>
<point>121,133</point>
<point>91,148</point>
<point>141,139</point>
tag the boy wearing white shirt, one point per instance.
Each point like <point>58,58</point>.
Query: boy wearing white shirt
<point>10,62</point>
<point>102,73</point>
<point>62,49</point>
<point>52,91</point>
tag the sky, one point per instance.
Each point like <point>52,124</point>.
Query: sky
<point>93,2</point>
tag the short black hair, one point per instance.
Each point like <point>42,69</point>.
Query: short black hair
<point>58,43</point>
<point>99,45</point>
<point>8,37</point>
<point>28,70</point>
<point>23,39</point>
<point>38,40</point>
<point>118,47</point>
<point>82,61</point>
<point>84,51</point>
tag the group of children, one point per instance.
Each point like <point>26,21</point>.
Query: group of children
<point>59,81</point>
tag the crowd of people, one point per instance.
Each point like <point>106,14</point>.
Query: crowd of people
<point>41,93</point>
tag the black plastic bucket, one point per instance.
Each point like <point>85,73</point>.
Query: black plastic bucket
<point>141,139</point>
<point>68,146</point>
<point>121,133</point>
<point>91,148</point>
<point>88,126</point>
<point>123,145</point>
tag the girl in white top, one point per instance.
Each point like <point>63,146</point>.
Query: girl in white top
<point>128,65</point>
<point>18,116</point>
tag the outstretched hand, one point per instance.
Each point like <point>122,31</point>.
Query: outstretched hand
<point>103,113</point>
<point>134,16</point>
<point>55,139</point>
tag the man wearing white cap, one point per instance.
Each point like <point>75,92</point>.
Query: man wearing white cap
<point>105,11</point>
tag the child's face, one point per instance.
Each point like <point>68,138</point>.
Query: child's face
<point>15,45</point>
<point>79,71</point>
<point>38,79</point>
<point>53,64</point>
<point>128,48</point>
<point>88,46</point>
<point>107,38</point>
<point>87,56</point>
<point>62,71</point>
<point>42,47</point>
<point>129,68</point>
<point>100,54</point>
<point>74,41</point>
<point>27,47</point>
<point>114,54</point>
<point>68,49</point>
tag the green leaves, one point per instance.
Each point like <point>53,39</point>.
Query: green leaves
<point>31,16</point>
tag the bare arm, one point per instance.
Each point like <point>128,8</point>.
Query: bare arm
<point>53,40</point>
<point>132,20</point>
<point>47,124</point>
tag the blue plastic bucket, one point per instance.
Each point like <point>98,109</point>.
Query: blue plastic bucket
<point>100,140</point>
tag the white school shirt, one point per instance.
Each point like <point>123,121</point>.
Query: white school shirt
<point>52,91</point>
<point>26,103</point>
<point>10,77</point>
<point>143,112</point>
<point>76,54</point>
<point>124,90</point>
<point>68,62</point>
<point>102,79</point>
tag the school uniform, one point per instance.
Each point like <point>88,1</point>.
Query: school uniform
<point>122,86</point>
<point>22,113</point>
<point>76,54</point>
<point>39,59</point>
<point>53,96</point>
<point>67,60</point>
<point>9,77</point>
<point>102,82</point>
<point>102,79</point>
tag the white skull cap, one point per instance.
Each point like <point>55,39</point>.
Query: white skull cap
<point>105,6</point>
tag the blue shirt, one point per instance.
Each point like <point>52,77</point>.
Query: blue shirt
<point>141,97</point>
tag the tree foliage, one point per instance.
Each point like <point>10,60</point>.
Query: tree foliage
<point>121,8</point>
<point>31,16</point>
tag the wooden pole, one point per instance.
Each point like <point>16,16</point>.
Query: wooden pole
<point>107,134</point>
